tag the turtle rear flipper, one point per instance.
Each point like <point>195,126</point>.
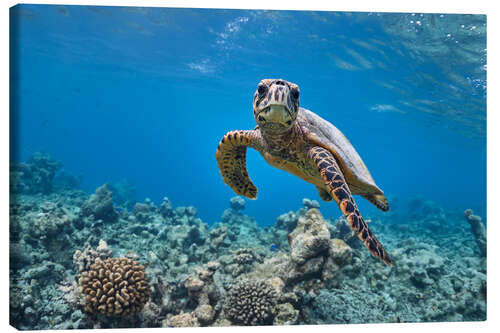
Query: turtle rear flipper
<point>324,194</point>
<point>340,192</point>
<point>231,158</point>
<point>379,200</point>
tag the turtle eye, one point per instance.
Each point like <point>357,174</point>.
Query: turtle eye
<point>295,93</point>
<point>262,89</point>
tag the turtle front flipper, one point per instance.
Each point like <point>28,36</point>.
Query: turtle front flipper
<point>338,189</point>
<point>231,158</point>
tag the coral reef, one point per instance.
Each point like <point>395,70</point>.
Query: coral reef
<point>100,205</point>
<point>478,230</point>
<point>310,237</point>
<point>243,261</point>
<point>34,176</point>
<point>251,302</point>
<point>124,193</point>
<point>83,259</point>
<point>115,287</point>
<point>313,254</point>
<point>304,269</point>
<point>203,293</point>
<point>66,180</point>
<point>183,320</point>
<point>237,204</point>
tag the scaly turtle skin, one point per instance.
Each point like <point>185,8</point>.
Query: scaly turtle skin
<point>296,140</point>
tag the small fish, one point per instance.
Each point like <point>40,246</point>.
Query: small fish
<point>21,186</point>
<point>273,248</point>
<point>118,209</point>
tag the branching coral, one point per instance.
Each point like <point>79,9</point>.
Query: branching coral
<point>115,287</point>
<point>83,259</point>
<point>251,302</point>
<point>243,260</point>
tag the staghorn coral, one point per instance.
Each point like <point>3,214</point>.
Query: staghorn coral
<point>115,287</point>
<point>251,302</point>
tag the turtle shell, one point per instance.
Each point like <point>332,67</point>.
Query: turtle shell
<point>324,134</point>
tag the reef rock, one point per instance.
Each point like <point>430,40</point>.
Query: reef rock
<point>204,313</point>
<point>166,208</point>
<point>477,229</point>
<point>100,205</point>
<point>124,193</point>
<point>202,291</point>
<point>34,176</point>
<point>237,203</point>
<point>339,252</point>
<point>286,314</point>
<point>308,203</point>
<point>287,221</point>
<point>310,237</point>
<point>183,320</point>
<point>310,269</point>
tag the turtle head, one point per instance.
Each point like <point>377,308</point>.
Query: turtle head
<point>276,104</point>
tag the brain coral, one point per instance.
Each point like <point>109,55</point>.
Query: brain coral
<point>251,302</point>
<point>115,287</point>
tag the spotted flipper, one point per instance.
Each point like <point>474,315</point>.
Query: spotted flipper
<point>231,158</point>
<point>379,200</point>
<point>338,189</point>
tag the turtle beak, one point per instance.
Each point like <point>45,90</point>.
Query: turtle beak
<point>279,114</point>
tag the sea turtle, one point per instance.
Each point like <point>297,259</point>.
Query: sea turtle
<point>297,140</point>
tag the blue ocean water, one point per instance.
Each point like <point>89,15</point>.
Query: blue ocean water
<point>145,94</point>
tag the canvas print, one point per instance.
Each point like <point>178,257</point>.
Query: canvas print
<point>184,167</point>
